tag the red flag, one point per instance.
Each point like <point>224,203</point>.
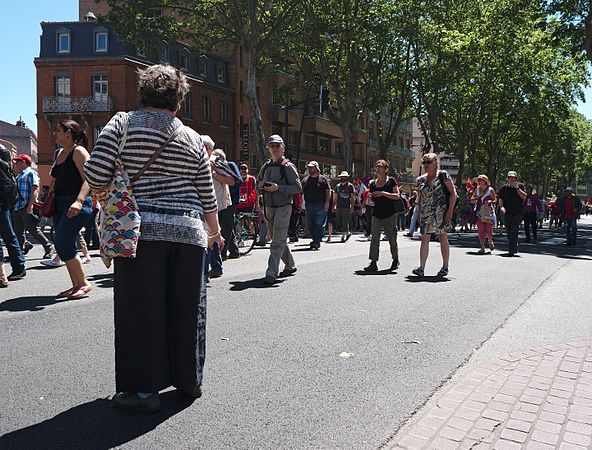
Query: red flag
<point>469,184</point>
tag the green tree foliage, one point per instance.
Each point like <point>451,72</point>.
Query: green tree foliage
<point>260,28</point>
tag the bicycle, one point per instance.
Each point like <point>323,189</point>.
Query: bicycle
<point>246,230</point>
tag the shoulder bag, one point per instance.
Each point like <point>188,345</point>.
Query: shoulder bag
<point>120,219</point>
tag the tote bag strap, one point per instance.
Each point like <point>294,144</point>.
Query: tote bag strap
<point>157,153</point>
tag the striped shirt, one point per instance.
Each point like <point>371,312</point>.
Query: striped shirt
<point>25,180</point>
<point>175,191</point>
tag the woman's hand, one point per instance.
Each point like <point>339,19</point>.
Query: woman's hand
<point>216,239</point>
<point>448,217</point>
<point>74,209</point>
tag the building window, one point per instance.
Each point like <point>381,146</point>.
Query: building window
<point>224,147</point>
<point>100,84</point>
<point>63,41</point>
<point>183,60</point>
<point>187,106</point>
<point>310,142</point>
<point>324,144</point>
<point>62,85</point>
<point>223,113</point>
<point>220,73</point>
<point>205,108</point>
<point>203,66</point>
<point>101,41</point>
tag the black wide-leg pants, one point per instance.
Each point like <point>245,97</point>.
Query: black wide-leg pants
<point>160,318</point>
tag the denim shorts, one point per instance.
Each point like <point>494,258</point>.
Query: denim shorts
<point>65,229</point>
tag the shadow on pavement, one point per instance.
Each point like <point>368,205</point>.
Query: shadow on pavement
<point>378,272</point>
<point>31,303</point>
<point>256,283</point>
<point>103,280</point>
<point>426,279</point>
<point>93,425</point>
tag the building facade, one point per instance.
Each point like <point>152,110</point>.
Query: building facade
<point>84,72</point>
<point>20,139</point>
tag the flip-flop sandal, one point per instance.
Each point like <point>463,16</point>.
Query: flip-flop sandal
<point>66,293</point>
<point>80,293</point>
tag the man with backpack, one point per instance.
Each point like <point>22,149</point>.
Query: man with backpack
<point>278,182</point>
<point>22,214</point>
<point>8,196</point>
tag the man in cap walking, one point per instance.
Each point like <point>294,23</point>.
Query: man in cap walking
<point>569,208</point>
<point>278,182</point>
<point>344,207</point>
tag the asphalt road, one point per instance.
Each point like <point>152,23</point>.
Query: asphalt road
<point>329,358</point>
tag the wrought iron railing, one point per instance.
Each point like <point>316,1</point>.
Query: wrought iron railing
<point>76,104</point>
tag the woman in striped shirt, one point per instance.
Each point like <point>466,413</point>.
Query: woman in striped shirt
<point>160,296</point>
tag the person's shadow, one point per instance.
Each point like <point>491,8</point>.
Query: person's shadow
<point>93,426</point>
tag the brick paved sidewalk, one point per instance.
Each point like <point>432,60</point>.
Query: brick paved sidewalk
<point>536,399</point>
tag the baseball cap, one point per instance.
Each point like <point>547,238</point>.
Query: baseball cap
<point>313,164</point>
<point>25,158</point>
<point>243,166</point>
<point>569,189</point>
<point>511,173</point>
<point>275,138</point>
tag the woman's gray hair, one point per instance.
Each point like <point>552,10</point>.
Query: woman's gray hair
<point>162,86</point>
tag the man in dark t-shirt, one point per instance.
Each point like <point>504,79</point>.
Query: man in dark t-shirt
<point>344,207</point>
<point>511,200</point>
<point>317,193</point>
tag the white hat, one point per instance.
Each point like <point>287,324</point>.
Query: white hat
<point>275,138</point>
<point>344,174</point>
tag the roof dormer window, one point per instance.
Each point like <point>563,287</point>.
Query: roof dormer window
<point>101,40</point>
<point>63,41</point>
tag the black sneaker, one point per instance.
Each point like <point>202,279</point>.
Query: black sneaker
<point>215,273</point>
<point>131,401</point>
<point>268,280</point>
<point>17,276</point>
<point>233,255</point>
<point>395,264</point>
<point>49,253</point>
<point>372,267</point>
<point>287,272</point>
<point>27,246</point>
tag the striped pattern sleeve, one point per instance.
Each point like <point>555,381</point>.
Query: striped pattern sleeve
<point>100,168</point>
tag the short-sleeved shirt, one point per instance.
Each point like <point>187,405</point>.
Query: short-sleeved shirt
<point>26,179</point>
<point>512,201</point>
<point>344,191</point>
<point>315,189</point>
<point>383,207</point>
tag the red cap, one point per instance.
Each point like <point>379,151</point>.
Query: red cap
<point>25,158</point>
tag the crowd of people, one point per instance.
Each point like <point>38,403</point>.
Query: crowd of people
<point>188,193</point>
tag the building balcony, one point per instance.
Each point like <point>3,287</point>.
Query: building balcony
<point>80,105</point>
<point>279,116</point>
<point>404,152</point>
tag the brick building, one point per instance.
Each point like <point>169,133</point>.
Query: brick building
<point>85,73</point>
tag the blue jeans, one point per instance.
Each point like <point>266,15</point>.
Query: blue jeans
<point>571,229</point>
<point>65,229</point>
<point>315,219</point>
<point>413,223</point>
<point>17,259</point>
<point>213,259</point>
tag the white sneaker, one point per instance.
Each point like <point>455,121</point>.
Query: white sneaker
<point>85,259</point>
<point>369,237</point>
<point>51,263</point>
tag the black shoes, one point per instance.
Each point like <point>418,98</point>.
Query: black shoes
<point>395,264</point>
<point>315,245</point>
<point>287,272</point>
<point>17,276</point>
<point>233,255</point>
<point>268,280</point>
<point>49,253</point>
<point>27,246</point>
<point>131,401</point>
<point>215,273</point>
<point>372,267</point>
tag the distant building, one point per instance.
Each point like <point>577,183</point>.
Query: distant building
<point>21,138</point>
